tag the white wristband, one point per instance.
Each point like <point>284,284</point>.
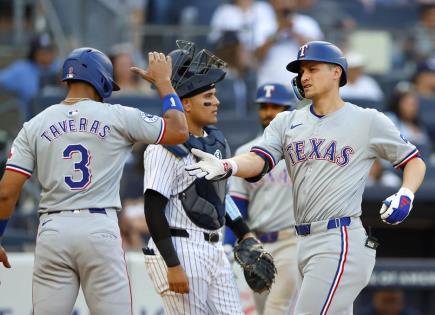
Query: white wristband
<point>406,191</point>
<point>234,166</point>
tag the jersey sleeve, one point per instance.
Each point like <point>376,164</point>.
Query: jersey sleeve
<point>159,170</point>
<point>386,142</point>
<point>22,156</point>
<point>270,145</point>
<point>141,127</point>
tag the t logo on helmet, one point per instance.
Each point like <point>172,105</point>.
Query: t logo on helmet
<point>268,89</point>
<point>302,50</point>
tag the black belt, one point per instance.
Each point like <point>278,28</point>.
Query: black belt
<point>212,237</point>
<point>270,237</point>
<point>91,210</point>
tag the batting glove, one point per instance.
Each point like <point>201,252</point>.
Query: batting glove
<point>397,207</point>
<point>209,166</point>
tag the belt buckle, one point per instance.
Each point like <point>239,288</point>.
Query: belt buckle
<point>213,237</point>
<point>76,211</point>
<point>337,222</point>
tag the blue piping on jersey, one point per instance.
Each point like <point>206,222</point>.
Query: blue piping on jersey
<point>312,112</point>
<point>19,167</point>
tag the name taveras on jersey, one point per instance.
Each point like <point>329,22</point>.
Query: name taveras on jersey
<point>317,149</point>
<point>95,127</point>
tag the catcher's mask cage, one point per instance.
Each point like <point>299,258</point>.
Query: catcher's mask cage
<point>193,73</point>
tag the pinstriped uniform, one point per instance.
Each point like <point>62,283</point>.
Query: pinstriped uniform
<point>78,152</point>
<point>211,281</point>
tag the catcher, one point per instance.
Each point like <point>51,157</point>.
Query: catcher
<point>185,257</point>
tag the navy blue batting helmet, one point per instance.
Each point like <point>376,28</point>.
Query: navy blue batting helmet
<point>193,73</point>
<point>92,66</point>
<point>318,51</point>
<point>275,93</point>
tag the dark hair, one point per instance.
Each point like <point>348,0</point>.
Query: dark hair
<point>395,100</point>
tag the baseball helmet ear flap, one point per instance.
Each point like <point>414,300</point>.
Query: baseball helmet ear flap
<point>297,88</point>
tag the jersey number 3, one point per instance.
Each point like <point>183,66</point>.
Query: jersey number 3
<point>81,166</point>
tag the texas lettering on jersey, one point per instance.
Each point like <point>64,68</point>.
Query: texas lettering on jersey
<point>319,149</point>
<point>82,124</point>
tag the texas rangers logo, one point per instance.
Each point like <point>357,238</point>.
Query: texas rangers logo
<point>302,50</point>
<point>70,73</point>
<point>319,149</point>
<point>268,89</point>
<point>218,154</point>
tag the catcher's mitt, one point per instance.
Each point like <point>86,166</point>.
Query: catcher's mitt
<point>257,264</point>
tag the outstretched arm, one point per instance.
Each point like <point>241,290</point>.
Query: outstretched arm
<point>247,165</point>
<point>413,174</point>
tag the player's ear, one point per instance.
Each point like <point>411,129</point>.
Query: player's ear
<point>337,72</point>
<point>187,104</point>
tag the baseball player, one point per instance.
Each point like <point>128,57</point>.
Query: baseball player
<point>267,206</point>
<point>329,148</point>
<point>77,149</point>
<point>185,257</point>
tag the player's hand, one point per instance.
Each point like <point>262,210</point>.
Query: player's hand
<point>209,166</point>
<point>159,69</point>
<point>397,207</point>
<point>177,280</point>
<point>4,258</point>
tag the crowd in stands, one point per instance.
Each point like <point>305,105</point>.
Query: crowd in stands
<point>257,38</point>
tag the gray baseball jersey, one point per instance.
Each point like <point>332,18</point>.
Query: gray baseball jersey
<point>328,158</point>
<point>78,150</point>
<point>270,203</point>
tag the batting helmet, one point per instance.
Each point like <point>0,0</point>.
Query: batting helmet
<point>275,93</point>
<point>92,66</point>
<point>194,73</point>
<point>318,51</point>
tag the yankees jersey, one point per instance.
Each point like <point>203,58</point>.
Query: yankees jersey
<point>79,150</point>
<point>165,173</point>
<point>329,157</point>
<point>270,202</point>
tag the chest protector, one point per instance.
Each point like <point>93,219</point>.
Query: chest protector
<point>203,200</point>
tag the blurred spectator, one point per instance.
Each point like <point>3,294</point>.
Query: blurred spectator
<point>389,302</point>
<point>233,89</point>
<point>424,78</point>
<point>281,45</point>
<point>27,77</point>
<point>252,20</point>
<point>424,33</point>
<point>419,44</point>
<point>404,108</point>
<point>333,19</point>
<point>383,176</point>
<point>360,85</point>
<point>130,84</point>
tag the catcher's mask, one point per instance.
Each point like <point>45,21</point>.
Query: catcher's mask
<point>193,73</point>
<point>317,51</point>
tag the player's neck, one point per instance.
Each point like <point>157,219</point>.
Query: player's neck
<point>81,90</point>
<point>327,105</point>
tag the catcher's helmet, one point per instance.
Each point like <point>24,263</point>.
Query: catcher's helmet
<point>194,73</point>
<point>275,93</point>
<point>318,51</point>
<point>92,66</point>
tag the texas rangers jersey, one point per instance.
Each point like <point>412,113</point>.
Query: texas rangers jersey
<point>79,150</point>
<point>270,203</point>
<point>165,173</point>
<point>329,157</point>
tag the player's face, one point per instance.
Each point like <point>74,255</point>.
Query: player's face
<point>318,78</point>
<point>268,111</point>
<point>204,108</point>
